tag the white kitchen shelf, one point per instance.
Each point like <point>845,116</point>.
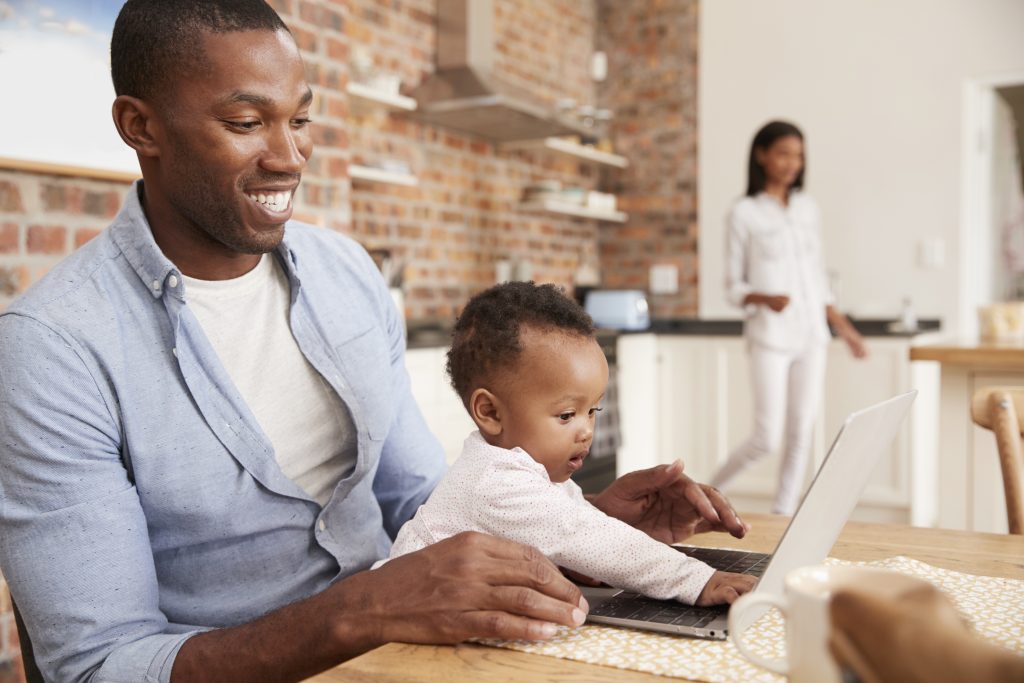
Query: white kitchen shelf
<point>381,98</point>
<point>377,175</point>
<point>572,149</point>
<point>571,209</point>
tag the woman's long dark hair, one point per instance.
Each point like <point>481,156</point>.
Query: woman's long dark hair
<point>764,139</point>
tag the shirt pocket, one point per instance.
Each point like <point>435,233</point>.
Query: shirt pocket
<point>767,246</point>
<point>369,374</point>
<point>808,244</point>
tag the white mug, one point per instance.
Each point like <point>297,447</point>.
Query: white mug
<point>805,608</point>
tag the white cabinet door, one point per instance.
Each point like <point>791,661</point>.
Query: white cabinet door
<point>438,402</point>
<point>693,394</point>
<point>639,413</point>
<point>853,384</point>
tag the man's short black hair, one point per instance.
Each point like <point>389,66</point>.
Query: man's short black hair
<point>155,42</point>
<point>486,335</point>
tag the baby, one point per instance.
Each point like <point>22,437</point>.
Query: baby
<point>531,374</point>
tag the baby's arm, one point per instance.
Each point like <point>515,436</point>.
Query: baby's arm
<point>578,536</point>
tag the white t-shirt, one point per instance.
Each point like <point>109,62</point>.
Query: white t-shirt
<point>776,249</point>
<point>246,321</point>
<point>507,493</point>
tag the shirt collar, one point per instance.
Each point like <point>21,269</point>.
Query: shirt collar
<point>133,236</point>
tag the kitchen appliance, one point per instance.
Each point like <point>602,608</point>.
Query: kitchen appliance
<point>618,309</point>
<point>467,93</point>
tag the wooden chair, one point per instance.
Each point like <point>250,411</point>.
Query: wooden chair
<point>28,660</point>
<point>1001,409</point>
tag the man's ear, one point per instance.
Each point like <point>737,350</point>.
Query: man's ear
<point>485,409</point>
<point>136,123</point>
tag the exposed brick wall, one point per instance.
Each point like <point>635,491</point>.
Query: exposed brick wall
<point>462,218</point>
<point>544,47</point>
<point>652,87</point>
<point>43,218</point>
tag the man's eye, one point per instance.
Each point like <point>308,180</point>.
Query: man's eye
<point>301,122</point>
<point>243,125</point>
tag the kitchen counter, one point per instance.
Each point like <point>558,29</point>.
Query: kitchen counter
<point>975,354</point>
<point>869,327</point>
<point>425,334</point>
<point>970,483</point>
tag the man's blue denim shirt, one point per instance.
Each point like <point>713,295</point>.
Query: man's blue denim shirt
<point>140,502</point>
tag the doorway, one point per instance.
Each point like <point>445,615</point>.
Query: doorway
<point>992,212</point>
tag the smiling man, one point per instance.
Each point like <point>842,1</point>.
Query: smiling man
<point>206,428</point>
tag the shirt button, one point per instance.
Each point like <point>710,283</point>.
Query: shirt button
<point>175,351</point>
<point>156,285</point>
<point>322,524</point>
<point>172,281</point>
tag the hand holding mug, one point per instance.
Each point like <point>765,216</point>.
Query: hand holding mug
<point>915,638</point>
<point>805,602</point>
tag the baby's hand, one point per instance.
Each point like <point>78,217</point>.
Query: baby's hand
<point>724,588</point>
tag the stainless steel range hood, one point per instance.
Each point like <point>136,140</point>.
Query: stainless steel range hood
<point>465,94</point>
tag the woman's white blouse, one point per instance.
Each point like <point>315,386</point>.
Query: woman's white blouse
<point>776,249</point>
<point>507,493</point>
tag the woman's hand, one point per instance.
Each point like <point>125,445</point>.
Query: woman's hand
<point>845,329</point>
<point>776,302</point>
<point>855,342</point>
<point>667,505</point>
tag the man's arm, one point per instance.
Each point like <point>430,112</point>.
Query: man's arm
<point>471,585</point>
<point>74,544</point>
<point>75,550</point>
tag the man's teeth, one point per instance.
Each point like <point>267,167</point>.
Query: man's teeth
<point>275,202</point>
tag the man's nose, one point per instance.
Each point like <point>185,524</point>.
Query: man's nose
<point>287,150</point>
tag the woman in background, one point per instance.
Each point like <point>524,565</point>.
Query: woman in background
<point>776,272</point>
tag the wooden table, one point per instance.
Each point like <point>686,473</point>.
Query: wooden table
<point>964,551</point>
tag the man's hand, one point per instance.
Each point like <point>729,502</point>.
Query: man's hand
<point>724,587</point>
<point>668,505</point>
<point>468,586</point>
<point>917,637</point>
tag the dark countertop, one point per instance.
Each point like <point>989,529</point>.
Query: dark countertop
<point>869,327</point>
<point>424,334</point>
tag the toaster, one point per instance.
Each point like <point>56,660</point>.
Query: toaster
<point>618,309</point>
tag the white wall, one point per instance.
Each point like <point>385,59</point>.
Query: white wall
<point>878,88</point>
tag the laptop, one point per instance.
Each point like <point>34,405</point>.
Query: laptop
<point>824,510</point>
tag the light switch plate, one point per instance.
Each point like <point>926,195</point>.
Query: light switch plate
<point>931,253</point>
<point>664,279</point>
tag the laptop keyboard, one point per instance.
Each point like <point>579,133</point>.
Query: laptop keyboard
<point>736,561</point>
<point>636,607</point>
<point>639,608</point>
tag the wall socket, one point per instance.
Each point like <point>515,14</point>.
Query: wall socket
<point>664,279</point>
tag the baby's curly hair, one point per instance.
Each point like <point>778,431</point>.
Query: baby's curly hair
<point>486,335</point>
